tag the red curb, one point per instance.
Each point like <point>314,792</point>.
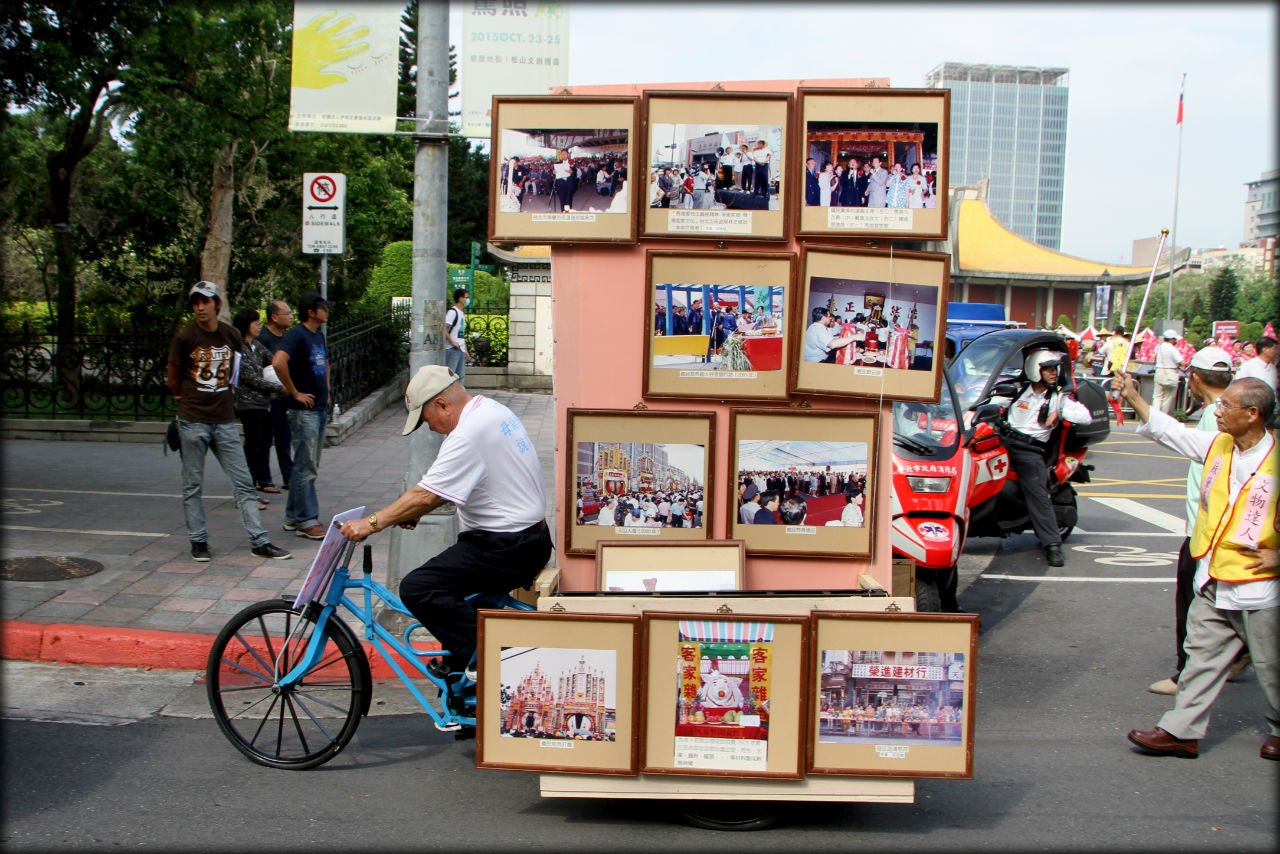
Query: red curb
<point>110,646</point>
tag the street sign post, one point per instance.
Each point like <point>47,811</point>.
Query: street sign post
<point>324,199</point>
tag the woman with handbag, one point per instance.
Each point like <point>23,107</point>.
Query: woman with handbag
<point>253,396</point>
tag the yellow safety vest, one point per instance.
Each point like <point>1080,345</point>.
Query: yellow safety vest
<point>1250,523</point>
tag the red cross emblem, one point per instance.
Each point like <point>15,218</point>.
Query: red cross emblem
<point>999,466</point>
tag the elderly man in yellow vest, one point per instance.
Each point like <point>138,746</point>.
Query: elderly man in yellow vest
<point>1235,543</point>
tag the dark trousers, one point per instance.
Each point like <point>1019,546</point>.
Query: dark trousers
<point>762,179</point>
<point>1184,592</point>
<point>257,443</point>
<point>1033,477</point>
<point>283,438</point>
<point>479,562</point>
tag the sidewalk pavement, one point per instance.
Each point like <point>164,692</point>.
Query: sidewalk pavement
<point>151,605</point>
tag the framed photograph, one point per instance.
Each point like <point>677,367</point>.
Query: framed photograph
<point>803,481</point>
<point>724,695</point>
<point>559,169</point>
<point>558,692</point>
<point>718,324</point>
<point>892,694</point>
<point>632,567</point>
<point>873,162</point>
<point>870,323</point>
<point>714,163</point>
<point>638,474</point>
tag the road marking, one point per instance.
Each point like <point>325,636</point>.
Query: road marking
<point>1120,580</point>
<point>1167,521</point>
<point>151,534</point>
<point>1134,454</point>
<point>96,492</point>
<point>1126,533</point>
<point>1160,481</point>
<point>1096,495</point>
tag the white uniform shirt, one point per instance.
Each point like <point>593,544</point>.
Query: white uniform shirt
<point>816,340</point>
<point>1024,415</point>
<point>1195,444</point>
<point>1257,367</point>
<point>489,468</point>
<point>1167,356</point>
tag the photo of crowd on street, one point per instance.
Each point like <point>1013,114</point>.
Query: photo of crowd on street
<point>553,693</point>
<point>563,171</point>
<point>632,484</point>
<point>718,327</point>
<point>871,165</point>
<point>870,324</point>
<point>802,483</point>
<point>870,696</point>
<point>712,167</point>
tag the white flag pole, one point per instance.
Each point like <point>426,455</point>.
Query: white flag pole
<point>1137,326</point>
<point>1177,178</point>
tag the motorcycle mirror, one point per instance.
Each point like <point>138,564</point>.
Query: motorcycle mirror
<point>1005,389</point>
<point>987,413</point>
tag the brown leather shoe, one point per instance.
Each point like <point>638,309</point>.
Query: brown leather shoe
<point>315,532</point>
<point>1270,748</point>
<point>1159,743</point>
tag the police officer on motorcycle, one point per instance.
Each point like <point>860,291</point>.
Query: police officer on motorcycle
<point>1035,412</point>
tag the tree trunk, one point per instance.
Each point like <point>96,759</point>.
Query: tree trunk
<point>215,261</point>
<point>62,165</point>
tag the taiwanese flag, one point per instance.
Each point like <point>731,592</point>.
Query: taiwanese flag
<point>1181,92</point>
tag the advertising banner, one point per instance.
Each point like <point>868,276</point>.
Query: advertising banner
<point>345,66</point>
<point>510,47</point>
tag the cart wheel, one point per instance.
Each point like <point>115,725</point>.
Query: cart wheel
<point>730,815</point>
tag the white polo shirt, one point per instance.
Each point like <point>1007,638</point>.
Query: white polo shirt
<point>489,468</point>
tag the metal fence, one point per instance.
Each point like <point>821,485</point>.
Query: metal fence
<point>487,330</point>
<point>121,376</point>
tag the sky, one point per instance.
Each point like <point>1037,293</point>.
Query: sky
<point>1126,63</point>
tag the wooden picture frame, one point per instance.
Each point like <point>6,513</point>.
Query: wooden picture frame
<point>724,695</point>
<point>892,695</point>
<point>525,717</point>
<point>783,451</point>
<point>904,127</point>
<point>684,129</point>
<point>878,296</point>
<point>648,452</point>
<point>595,132</point>
<point>751,364</point>
<point>701,566</point>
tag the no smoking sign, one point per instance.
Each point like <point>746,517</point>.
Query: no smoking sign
<point>323,212</point>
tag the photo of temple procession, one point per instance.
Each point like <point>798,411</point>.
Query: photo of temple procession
<point>554,693</point>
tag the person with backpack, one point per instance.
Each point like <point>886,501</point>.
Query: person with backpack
<point>455,335</point>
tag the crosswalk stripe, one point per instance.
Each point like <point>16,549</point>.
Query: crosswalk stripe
<point>1167,521</point>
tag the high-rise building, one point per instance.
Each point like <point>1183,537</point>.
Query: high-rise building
<point>1009,125</point>
<point>1262,209</point>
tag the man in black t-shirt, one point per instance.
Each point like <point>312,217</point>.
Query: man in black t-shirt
<point>201,371</point>
<point>302,366</point>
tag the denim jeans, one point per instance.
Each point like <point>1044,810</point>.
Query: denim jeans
<point>197,439</point>
<point>303,508</point>
<point>456,361</point>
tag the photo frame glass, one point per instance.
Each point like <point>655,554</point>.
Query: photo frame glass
<point>561,169</point>
<point>715,165</point>
<point>804,481</point>
<point>632,567</point>
<point>641,475</point>
<point>717,324</point>
<point>721,695</point>
<point>873,162</point>
<point>893,694</point>
<point>874,323</point>
<point>557,692</point>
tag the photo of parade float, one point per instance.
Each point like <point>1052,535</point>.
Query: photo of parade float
<point>563,171</point>
<point>802,483</point>
<point>718,327</point>
<point>552,693</point>
<point>868,696</point>
<point>724,672</point>
<point>866,324</point>
<point>634,484</point>
<point>871,165</point>
<point>712,167</point>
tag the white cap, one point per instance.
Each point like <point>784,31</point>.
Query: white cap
<point>429,381</point>
<point>204,289</point>
<point>1212,359</point>
<point>1171,334</point>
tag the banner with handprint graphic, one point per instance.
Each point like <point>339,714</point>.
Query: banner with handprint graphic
<point>345,66</point>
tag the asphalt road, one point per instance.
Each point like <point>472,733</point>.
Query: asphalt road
<point>1065,656</point>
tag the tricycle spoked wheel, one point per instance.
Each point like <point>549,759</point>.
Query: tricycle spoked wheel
<point>296,726</point>
<point>730,815</point>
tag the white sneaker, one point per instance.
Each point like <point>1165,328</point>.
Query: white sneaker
<point>450,727</point>
<point>1164,686</point>
<point>471,674</point>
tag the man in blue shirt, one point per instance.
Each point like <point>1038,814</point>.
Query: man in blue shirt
<point>302,366</point>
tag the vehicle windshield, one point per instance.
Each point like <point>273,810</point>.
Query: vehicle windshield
<point>970,370</point>
<point>927,429</point>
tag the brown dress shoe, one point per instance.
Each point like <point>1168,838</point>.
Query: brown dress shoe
<point>1159,743</point>
<point>1270,748</point>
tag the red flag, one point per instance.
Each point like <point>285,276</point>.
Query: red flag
<point>1181,92</point>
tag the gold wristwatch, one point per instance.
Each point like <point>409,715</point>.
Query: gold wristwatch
<point>373,522</point>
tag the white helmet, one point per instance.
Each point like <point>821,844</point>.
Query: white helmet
<point>1039,360</point>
